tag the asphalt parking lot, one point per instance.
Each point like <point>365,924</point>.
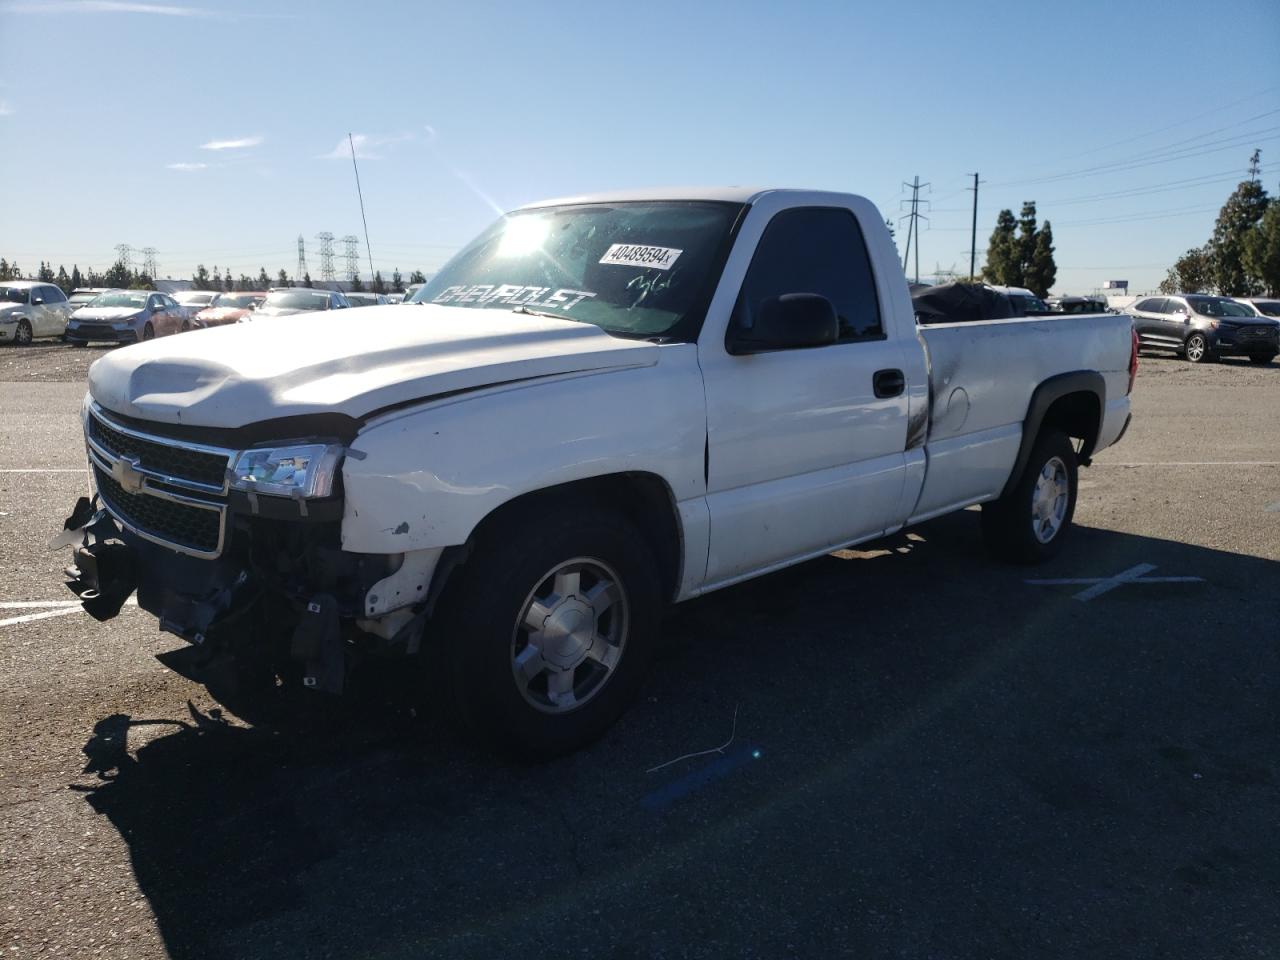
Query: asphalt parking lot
<point>932,756</point>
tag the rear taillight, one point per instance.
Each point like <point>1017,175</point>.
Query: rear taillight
<point>1133,361</point>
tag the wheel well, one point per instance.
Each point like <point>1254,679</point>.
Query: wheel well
<point>643,498</point>
<point>1078,415</point>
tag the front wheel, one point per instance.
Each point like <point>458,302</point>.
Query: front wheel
<point>1197,348</point>
<point>549,629</point>
<point>22,336</point>
<point>148,332</point>
<point>1029,523</point>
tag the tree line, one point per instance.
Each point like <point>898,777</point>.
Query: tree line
<point>1242,258</point>
<point>122,276</point>
<point>1020,253</point>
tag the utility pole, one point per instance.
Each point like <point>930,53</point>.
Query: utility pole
<point>352,255</point>
<point>302,260</point>
<point>326,254</point>
<point>913,228</point>
<point>973,233</point>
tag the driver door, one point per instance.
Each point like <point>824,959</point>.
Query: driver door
<point>806,446</point>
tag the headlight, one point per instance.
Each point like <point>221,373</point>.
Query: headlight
<point>303,471</point>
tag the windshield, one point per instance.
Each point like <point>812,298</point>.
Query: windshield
<point>15,294</point>
<point>362,298</point>
<point>240,301</point>
<point>195,299</point>
<point>83,297</point>
<point>298,300</point>
<point>122,298</point>
<point>636,269</point>
<point>1030,304</point>
<point>1218,307</point>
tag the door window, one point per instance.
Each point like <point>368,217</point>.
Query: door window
<point>815,250</point>
<point>1150,306</point>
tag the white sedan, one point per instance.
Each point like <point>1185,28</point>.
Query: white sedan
<point>30,309</point>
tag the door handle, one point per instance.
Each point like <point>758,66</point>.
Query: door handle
<point>888,383</point>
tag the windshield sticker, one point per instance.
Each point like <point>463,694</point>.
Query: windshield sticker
<point>637,255</point>
<point>514,295</point>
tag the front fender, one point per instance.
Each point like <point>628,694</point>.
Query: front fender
<point>425,477</point>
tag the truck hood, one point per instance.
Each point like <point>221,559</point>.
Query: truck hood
<point>352,362</point>
<point>105,313</point>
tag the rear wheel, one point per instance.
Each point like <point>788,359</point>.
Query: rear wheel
<point>22,335</point>
<point>549,629</point>
<point>1197,348</point>
<point>1261,358</point>
<point>1029,523</point>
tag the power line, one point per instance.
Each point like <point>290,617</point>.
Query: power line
<point>352,255</point>
<point>913,228</point>
<point>1137,163</point>
<point>326,255</point>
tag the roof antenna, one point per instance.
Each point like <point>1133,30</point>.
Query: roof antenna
<point>360,194</point>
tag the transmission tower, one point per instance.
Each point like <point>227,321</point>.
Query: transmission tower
<point>124,254</point>
<point>302,260</point>
<point>352,255</point>
<point>913,228</point>
<point>149,265</point>
<point>326,255</point>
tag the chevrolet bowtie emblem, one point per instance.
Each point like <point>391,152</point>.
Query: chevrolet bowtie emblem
<point>125,472</point>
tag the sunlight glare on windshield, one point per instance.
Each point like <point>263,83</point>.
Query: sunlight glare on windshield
<point>523,235</point>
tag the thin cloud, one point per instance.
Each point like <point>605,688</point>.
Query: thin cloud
<point>241,144</point>
<point>5,109</point>
<point>111,6</point>
<point>187,167</point>
<point>365,146</point>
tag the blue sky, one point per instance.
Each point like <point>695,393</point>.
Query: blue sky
<point>216,132</point>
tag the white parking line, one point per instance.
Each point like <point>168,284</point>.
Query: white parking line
<point>1100,585</point>
<point>48,609</point>
<point>46,470</point>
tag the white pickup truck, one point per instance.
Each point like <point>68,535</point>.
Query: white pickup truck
<point>602,405</point>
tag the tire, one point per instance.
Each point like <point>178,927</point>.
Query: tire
<point>569,564</point>
<point>148,332</point>
<point>1261,358</point>
<point>1197,349</point>
<point>22,335</point>
<point>1030,523</point>
<point>186,325</point>
<point>78,343</point>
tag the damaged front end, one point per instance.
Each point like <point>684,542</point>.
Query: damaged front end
<point>237,551</point>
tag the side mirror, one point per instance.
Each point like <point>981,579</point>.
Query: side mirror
<point>36,301</point>
<point>789,322</point>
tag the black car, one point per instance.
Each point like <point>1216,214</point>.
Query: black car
<point>1202,328</point>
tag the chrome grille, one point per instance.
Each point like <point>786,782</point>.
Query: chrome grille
<point>168,491</point>
<point>198,529</point>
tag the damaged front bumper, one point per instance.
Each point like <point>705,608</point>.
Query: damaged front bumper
<point>282,592</point>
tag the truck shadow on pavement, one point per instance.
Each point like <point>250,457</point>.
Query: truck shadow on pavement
<point>930,756</point>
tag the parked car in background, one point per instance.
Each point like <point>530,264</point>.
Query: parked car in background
<point>289,300</point>
<point>395,298</point>
<point>364,299</point>
<point>1078,305</point>
<point>1024,300</point>
<point>1262,306</point>
<point>126,316</point>
<point>228,308</point>
<point>193,301</point>
<point>83,296</point>
<point>30,309</point>
<point>1202,328</point>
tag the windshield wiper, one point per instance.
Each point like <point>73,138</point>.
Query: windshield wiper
<point>544,313</point>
